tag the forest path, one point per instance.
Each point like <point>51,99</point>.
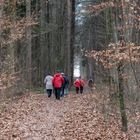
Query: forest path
<point>33,117</point>
<point>74,117</point>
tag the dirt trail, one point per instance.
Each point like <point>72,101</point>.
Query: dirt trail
<point>74,117</point>
<point>33,117</point>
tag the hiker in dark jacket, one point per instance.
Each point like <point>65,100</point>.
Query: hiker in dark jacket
<point>90,82</point>
<point>65,84</point>
<point>91,85</point>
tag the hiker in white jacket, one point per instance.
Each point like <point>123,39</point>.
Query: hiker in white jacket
<point>49,85</point>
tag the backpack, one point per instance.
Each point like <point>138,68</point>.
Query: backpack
<point>82,83</point>
<point>58,81</point>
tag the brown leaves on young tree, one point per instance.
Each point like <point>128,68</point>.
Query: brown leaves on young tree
<point>117,53</point>
<point>14,30</point>
<point>100,7</point>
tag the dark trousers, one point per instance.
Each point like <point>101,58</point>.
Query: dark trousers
<point>62,91</point>
<point>77,89</point>
<point>81,89</point>
<point>49,92</point>
<point>57,93</point>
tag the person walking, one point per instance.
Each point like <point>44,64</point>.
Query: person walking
<point>77,85</point>
<point>91,84</point>
<point>57,81</point>
<point>49,86</point>
<point>82,83</point>
<point>65,85</point>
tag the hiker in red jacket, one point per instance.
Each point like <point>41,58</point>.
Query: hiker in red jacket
<point>77,85</point>
<point>82,83</point>
<point>57,81</point>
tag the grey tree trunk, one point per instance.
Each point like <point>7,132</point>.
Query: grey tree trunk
<point>70,37</point>
<point>42,38</point>
<point>121,98</point>
<point>68,70</point>
<point>28,45</point>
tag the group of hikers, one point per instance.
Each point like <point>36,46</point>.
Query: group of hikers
<point>59,84</point>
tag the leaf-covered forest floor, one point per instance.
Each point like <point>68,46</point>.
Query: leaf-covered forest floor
<point>74,117</point>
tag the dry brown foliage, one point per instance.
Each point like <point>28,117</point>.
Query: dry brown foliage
<point>117,53</point>
<point>75,117</point>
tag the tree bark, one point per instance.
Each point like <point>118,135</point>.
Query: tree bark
<point>121,98</point>
<point>70,37</point>
<point>42,38</point>
<point>28,45</point>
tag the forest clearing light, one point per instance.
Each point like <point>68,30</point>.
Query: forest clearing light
<point>77,72</point>
<point>77,66</point>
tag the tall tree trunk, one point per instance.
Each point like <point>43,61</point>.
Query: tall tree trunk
<point>121,98</point>
<point>120,72</point>
<point>42,37</point>
<point>70,37</point>
<point>28,45</point>
<point>1,11</point>
<point>1,69</point>
<point>11,48</point>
